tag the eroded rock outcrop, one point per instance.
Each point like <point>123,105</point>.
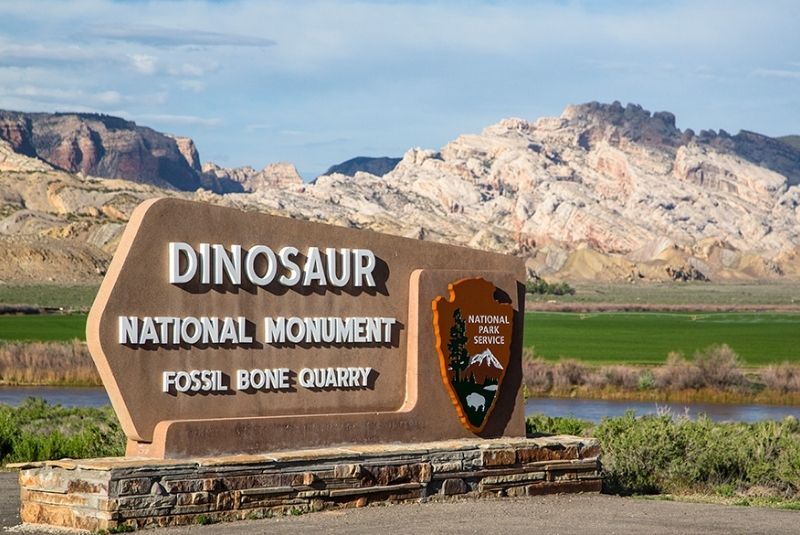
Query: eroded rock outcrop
<point>275,175</point>
<point>596,193</point>
<point>104,146</point>
<point>603,192</point>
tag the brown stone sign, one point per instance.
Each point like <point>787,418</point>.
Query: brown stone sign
<point>223,331</point>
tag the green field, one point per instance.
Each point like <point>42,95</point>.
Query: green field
<point>647,337</point>
<point>630,337</point>
<point>43,327</point>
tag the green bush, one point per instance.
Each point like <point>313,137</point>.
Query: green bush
<point>662,454</point>
<point>568,425</point>
<point>38,431</point>
<point>541,286</point>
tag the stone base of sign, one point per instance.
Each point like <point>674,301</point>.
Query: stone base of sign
<point>95,494</point>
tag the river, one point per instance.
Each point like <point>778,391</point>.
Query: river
<point>585,409</point>
<point>595,409</point>
<point>68,396</point>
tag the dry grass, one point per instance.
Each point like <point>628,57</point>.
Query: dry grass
<point>616,376</point>
<point>713,375</point>
<point>537,373</point>
<point>678,374</point>
<point>720,367</point>
<point>47,363</point>
<point>784,378</point>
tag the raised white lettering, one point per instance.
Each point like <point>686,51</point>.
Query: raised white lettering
<point>176,250</point>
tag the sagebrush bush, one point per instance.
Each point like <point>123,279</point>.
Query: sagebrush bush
<point>540,286</point>
<point>616,376</point>
<point>716,368</point>
<point>565,425</point>
<point>38,431</point>
<point>662,454</point>
<point>678,374</point>
<point>537,374</point>
<point>568,373</point>
<point>719,367</point>
<point>782,378</point>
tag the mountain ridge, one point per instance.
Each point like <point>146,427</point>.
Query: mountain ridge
<point>602,192</point>
<point>377,166</point>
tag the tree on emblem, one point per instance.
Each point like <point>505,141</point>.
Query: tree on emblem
<point>459,357</point>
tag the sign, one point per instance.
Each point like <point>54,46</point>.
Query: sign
<point>223,331</point>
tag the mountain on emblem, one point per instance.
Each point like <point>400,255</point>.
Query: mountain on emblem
<point>485,358</point>
<point>473,339</point>
<point>483,367</point>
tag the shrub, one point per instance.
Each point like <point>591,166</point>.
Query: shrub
<point>637,452</point>
<point>542,287</point>
<point>568,373</point>
<point>678,374</point>
<point>646,380</point>
<point>37,431</point>
<point>569,425</point>
<point>537,374</point>
<point>719,367</point>
<point>782,378</point>
<point>653,454</point>
<point>716,367</point>
<point>616,376</point>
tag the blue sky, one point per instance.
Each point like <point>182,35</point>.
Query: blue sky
<point>316,83</point>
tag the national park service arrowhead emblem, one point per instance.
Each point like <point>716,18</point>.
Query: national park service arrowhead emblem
<point>473,338</point>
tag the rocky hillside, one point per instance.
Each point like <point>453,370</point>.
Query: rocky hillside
<point>603,192</point>
<point>105,146</point>
<point>281,175</point>
<point>792,141</point>
<point>364,164</point>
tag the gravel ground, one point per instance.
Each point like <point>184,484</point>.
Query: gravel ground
<point>580,514</point>
<point>9,499</point>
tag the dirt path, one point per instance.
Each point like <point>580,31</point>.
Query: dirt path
<point>546,514</point>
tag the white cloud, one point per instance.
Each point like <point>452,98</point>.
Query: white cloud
<point>402,72</point>
<point>144,63</point>
<point>196,86</point>
<point>777,73</point>
<point>108,97</point>
<point>63,95</point>
<point>258,126</point>
<point>197,68</point>
<point>184,120</point>
<point>27,54</point>
<point>165,36</point>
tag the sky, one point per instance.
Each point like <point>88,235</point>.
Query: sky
<point>317,83</point>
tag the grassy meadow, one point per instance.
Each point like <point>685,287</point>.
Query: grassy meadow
<point>647,337</point>
<point>628,350</point>
<point>596,338</point>
<point>43,327</point>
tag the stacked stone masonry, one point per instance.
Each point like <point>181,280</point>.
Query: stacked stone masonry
<point>97,494</point>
